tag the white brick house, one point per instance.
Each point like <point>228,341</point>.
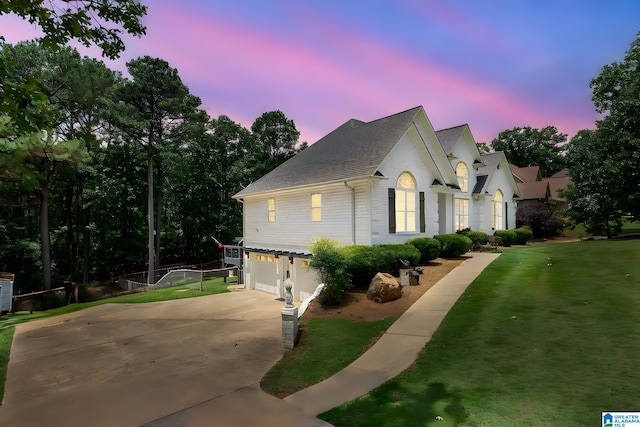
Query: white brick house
<point>370,183</point>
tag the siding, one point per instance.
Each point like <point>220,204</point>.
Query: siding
<point>406,156</point>
<point>293,228</point>
<point>499,181</point>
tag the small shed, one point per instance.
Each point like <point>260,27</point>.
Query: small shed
<point>6,291</point>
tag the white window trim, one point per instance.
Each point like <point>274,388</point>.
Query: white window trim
<point>316,207</point>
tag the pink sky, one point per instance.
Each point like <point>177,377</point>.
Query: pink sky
<point>322,64</point>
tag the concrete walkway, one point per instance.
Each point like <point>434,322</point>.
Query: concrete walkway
<point>398,348</point>
<point>195,362</point>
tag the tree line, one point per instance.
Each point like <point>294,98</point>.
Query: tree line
<point>602,162</point>
<point>101,174</point>
<point>129,172</point>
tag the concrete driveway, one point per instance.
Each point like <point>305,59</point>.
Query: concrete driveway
<point>191,362</point>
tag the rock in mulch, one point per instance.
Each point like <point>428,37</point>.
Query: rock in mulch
<point>383,288</point>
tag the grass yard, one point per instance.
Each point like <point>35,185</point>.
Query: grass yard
<point>325,351</point>
<point>6,336</point>
<point>210,286</point>
<point>547,335</point>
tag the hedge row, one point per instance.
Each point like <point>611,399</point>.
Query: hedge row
<point>364,262</point>
<point>453,245</point>
<point>478,238</point>
<point>429,248</point>
<point>518,236</point>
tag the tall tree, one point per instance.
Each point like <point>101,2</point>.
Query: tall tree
<point>616,94</point>
<point>276,138</point>
<point>533,147</point>
<point>91,22</point>
<point>34,159</point>
<point>591,195</point>
<point>154,103</point>
<point>214,168</point>
<point>76,88</point>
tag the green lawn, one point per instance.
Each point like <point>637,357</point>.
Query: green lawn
<point>210,286</point>
<point>327,347</point>
<point>547,335</point>
<point>6,336</point>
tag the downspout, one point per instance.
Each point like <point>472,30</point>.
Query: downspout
<point>353,212</point>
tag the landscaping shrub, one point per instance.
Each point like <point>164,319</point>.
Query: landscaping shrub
<point>453,245</point>
<point>523,235</point>
<point>478,238</point>
<point>508,237</point>
<point>331,266</point>
<point>364,262</point>
<point>392,253</point>
<point>429,248</point>
<point>540,218</point>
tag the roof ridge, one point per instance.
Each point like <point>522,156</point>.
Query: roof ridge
<point>392,115</point>
<point>453,127</point>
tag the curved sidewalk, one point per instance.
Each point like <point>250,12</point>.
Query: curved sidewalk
<point>398,348</point>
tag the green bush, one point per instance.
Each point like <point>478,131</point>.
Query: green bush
<point>364,262</point>
<point>478,238</point>
<point>508,237</point>
<point>429,248</point>
<point>523,235</point>
<point>392,253</point>
<point>453,245</point>
<point>331,266</point>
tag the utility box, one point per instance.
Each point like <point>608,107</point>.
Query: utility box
<point>6,292</point>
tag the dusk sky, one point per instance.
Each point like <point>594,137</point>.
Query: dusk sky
<point>492,64</point>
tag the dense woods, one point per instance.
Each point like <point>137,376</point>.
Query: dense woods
<point>129,169</point>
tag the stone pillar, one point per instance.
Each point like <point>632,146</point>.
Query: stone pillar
<point>289,326</point>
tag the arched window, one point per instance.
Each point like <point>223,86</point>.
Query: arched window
<point>405,203</point>
<point>462,172</point>
<point>497,211</point>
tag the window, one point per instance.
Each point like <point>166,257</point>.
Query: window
<point>463,177</point>
<point>316,207</point>
<point>405,196</point>
<point>266,258</point>
<point>462,214</point>
<point>271,207</point>
<point>497,211</point>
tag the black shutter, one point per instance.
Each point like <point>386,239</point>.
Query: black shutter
<point>392,211</point>
<point>423,226</point>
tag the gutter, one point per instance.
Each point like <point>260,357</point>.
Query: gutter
<point>353,212</point>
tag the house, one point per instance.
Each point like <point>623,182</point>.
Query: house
<point>370,183</point>
<point>533,187</point>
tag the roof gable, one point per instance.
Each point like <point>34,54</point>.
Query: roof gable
<point>534,190</point>
<point>557,183</point>
<point>527,173</point>
<point>451,137</point>
<point>492,162</point>
<point>354,150</point>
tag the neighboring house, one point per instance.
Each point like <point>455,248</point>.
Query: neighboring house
<point>370,183</point>
<point>533,187</point>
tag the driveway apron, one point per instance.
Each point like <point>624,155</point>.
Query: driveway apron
<point>136,364</point>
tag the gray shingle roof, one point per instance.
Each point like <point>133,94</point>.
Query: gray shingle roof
<point>449,137</point>
<point>355,149</point>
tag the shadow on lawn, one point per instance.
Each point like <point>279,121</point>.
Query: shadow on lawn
<point>429,405</point>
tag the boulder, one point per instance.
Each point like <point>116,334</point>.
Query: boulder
<point>383,288</point>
